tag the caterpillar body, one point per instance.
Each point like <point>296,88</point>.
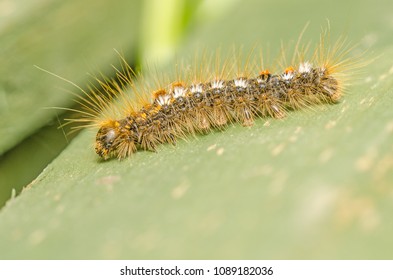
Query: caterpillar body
<point>209,100</point>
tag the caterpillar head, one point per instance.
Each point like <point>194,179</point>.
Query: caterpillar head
<point>114,140</point>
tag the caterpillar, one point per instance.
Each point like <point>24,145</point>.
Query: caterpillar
<point>206,99</point>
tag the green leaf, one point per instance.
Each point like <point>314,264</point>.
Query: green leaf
<point>317,184</point>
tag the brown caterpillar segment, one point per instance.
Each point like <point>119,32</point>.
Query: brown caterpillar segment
<point>196,108</point>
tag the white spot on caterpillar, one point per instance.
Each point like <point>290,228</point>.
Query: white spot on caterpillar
<point>164,99</point>
<point>179,92</point>
<point>196,88</point>
<point>305,67</point>
<point>217,84</point>
<point>287,76</point>
<point>241,83</point>
<point>110,135</point>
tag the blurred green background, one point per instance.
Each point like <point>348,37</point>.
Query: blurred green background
<point>317,184</point>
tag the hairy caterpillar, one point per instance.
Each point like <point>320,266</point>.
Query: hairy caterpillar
<point>209,99</point>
